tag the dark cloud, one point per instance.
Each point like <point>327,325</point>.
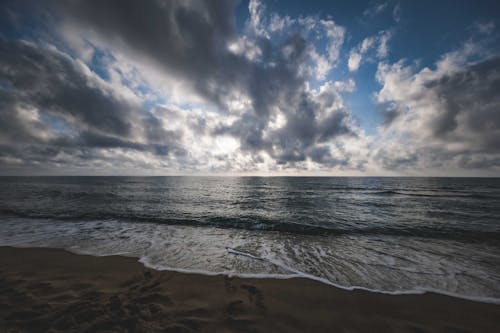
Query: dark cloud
<point>334,125</point>
<point>304,130</point>
<point>456,115</point>
<point>283,87</point>
<point>190,39</point>
<point>50,104</point>
<point>185,40</point>
<point>323,155</point>
<point>400,159</point>
<point>470,105</point>
<point>389,113</point>
<point>42,77</point>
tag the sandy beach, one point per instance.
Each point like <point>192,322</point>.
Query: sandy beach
<point>51,290</point>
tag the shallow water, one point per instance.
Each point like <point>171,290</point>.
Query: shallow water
<point>386,234</point>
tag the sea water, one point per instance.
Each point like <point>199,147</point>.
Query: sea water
<point>394,235</point>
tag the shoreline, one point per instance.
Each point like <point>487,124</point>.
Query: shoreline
<point>296,275</point>
<point>52,289</point>
<point>306,276</point>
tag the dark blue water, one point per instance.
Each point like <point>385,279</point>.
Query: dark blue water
<point>390,234</point>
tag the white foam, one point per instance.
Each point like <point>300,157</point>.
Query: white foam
<point>212,251</point>
<point>298,274</point>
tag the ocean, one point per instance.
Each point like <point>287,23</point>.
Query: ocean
<point>391,235</point>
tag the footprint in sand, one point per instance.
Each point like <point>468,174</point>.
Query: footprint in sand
<point>255,296</point>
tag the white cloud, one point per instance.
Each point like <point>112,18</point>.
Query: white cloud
<point>247,47</point>
<point>354,61</point>
<point>363,49</point>
<point>396,13</point>
<point>279,24</point>
<point>322,65</point>
<point>366,44</point>
<point>335,34</point>
<point>376,9</point>
<point>383,47</point>
<point>439,118</point>
<point>255,23</point>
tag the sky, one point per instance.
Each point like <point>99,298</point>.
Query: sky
<point>186,87</point>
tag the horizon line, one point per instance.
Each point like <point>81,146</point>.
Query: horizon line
<point>249,176</point>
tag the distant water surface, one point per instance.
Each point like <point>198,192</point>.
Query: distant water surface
<point>385,234</point>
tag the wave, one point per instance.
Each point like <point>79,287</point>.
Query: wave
<point>184,248</point>
<point>430,194</point>
<point>268,225</point>
<point>294,273</point>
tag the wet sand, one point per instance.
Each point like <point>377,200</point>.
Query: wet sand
<point>50,290</point>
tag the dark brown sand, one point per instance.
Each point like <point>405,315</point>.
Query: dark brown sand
<point>48,290</point>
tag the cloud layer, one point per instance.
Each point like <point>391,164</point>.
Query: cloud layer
<point>448,116</point>
<point>176,87</point>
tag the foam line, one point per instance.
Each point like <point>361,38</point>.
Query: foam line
<point>300,274</point>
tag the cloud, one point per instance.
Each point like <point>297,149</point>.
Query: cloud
<point>198,42</point>
<point>254,92</point>
<point>174,86</point>
<point>396,12</point>
<point>44,79</point>
<point>354,61</point>
<point>255,22</point>
<point>335,34</point>
<point>485,27</point>
<point>383,40</point>
<point>378,42</point>
<point>52,104</point>
<point>186,39</point>
<point>376,9</point>
<point>449,116</point>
